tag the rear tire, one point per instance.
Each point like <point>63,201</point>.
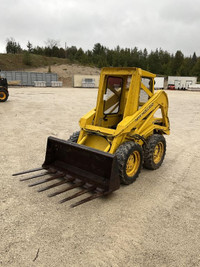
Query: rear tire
<point>74,137</point>
<point>129,157</point>
<point>3,95</point>
<point>154,152</point>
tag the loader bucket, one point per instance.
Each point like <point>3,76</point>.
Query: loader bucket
<point>93,170</point>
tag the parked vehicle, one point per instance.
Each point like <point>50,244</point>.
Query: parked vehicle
<point>3,89</point>
<point>181,82</point>
<point>171,87</point>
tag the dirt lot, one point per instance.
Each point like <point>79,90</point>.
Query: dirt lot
<point>154,222</point>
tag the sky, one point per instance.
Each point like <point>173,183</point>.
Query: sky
<point>168,24</point>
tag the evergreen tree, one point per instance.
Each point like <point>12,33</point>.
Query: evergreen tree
<point>194,59</point>
<point>27,58</point>
<point>30,47</point>
<point>158,61</point>
<point>71,52</point>
<point>154,62</point>
<point>13,47</point>
<point>177,63</point>
<point>196,69</point>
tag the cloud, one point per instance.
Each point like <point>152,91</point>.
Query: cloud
<point>170,25</point>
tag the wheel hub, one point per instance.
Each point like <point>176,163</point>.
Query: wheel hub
<point>158,152</point>
<point>133,163</point>
<point>2,96</point>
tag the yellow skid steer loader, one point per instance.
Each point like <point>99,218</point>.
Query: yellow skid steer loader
<point>122,133</point>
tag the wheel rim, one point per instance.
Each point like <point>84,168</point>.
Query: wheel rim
<point>158,152</point>
<point>2,96</point>
<point>133,164</point>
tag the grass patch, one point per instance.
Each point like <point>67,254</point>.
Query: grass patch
<point>19,61</point>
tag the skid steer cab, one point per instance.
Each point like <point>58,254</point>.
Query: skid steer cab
<point>123,132</point>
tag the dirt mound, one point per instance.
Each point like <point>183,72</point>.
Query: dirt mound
<point>66,72</point>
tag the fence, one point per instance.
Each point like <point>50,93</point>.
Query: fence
<point>29,78</point>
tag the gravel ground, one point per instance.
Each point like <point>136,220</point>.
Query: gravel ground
<point>153,222</point>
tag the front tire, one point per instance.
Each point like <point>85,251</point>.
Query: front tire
<point>74,137</point>
<point>3,95</point>
<point>154,152</point>
<point>129,157</point>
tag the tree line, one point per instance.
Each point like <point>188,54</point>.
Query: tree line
<point>159,61</point>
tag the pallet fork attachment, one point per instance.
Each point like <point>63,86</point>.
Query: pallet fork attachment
<point>93,170</point>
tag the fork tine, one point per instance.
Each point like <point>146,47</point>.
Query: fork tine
<point>57,184</point>
<point>78,194</point>
<point>32,170</point>
<point>66,189</point>
<point>46,180</point>
<point>52,186</point>
<point>99,194</point>
<point>34,176</point>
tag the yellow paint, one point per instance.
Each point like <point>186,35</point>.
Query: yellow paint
<point>107,131</point>
<point>2,95</point>
<point>158,152</point>
<point>133,164</point>
<point>96,141</point>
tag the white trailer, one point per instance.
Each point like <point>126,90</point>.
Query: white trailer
<point>159,83</point>
<point>181,82</point>
<point>194,87</point>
